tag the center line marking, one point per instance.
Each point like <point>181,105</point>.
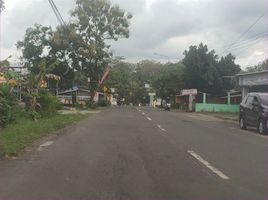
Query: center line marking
<point>149,118</point>
<point>208,165</point>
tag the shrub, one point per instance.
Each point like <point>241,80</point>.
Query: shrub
<point>48,104</point>
<point>9,108</point>
<point>103,103</point>
<point>91,104</point>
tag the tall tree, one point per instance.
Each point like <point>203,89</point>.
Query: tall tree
<point>35,46</point>
<point>201,70</point>
<point>227,69</point>
<point>40,44</point>
<point>169,80</point>
<point>96,21</point>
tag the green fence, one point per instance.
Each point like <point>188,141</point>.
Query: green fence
<point>201,107</point>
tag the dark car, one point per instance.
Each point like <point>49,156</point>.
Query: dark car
<point>254,112</point>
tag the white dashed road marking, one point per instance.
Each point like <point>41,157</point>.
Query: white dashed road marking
<point>149,118</point>
<point>143,113</point>
<point>208,165</point>
<point>159,126</point>
<point>46,144</point>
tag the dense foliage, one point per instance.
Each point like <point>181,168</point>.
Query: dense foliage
<point>259,67</point>
<point>8,105</point>
<point>200,69</point>
<point>48,104</point>
<point>205,72</point>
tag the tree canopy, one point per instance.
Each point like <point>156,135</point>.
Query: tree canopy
<point>205,72</point>
<point>259,67</point>
<point>80,48</point>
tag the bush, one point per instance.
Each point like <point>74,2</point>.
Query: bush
<point>49,104</point>
<point>91,105</point>
<point>103,103</point>
<point>9,108</point>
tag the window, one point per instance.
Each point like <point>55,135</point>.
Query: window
<point>250,100</point>
<point>264,99</point>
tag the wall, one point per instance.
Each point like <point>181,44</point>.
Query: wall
<point>199,107</point>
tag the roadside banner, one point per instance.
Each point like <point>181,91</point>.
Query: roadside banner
<point>105,74</point>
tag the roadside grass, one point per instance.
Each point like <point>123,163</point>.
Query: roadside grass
<point>224,116</point>
<point>18,136</point>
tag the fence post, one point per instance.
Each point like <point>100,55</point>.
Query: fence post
<point>229,98</point>
<point>204,98</point>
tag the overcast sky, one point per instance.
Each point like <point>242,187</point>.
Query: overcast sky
<point>165,27</point>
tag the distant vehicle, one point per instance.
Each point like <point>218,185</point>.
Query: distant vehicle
<point>167,104</point>
<point>254,112</point>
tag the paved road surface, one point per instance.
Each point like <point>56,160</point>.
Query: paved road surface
<point>128,153</point>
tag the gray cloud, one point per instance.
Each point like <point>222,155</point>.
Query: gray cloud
<point>168,26</point>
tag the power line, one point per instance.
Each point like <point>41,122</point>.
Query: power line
<point>57,13</point>
<point>249,40</point>
<point>253,44</point>
<point>248,43</point>
<point>246,31</point>
<point>63,24</point>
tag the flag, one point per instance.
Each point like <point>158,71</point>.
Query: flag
<point>105,74</point>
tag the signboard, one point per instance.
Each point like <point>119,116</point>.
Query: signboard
<point>189,92</point>
<point>152,94</point>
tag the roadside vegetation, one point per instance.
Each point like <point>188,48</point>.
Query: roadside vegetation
<point>18,136</point>
<point>57,60</point>
<point>77,53</point>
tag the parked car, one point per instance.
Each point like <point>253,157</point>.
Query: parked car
<point>254,112</point>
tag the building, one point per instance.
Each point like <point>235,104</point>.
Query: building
<point>253,82</point>
<point>78,95</point>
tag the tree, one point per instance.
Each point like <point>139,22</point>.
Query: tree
<point>259,67</point>
<point>227,68</point>
<point>96,21</point>
<point>40,44</point>
<point>169,80</point>
<point>120,78</point>
<point>201,70</point>
<point>35,46</point>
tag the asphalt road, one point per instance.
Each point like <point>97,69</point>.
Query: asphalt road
<point>129,153</point>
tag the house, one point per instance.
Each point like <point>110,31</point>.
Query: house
<point>253,82</point>
<point>77,95</point>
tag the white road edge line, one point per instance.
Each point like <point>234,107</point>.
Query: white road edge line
<point>149,118</point>
<point>208,165</point>
<point>159,126</point>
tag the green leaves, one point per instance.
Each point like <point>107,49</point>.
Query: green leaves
<point>205,72</point>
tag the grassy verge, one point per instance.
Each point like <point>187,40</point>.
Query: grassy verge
<point>16,137</point>
<point>224,116</point>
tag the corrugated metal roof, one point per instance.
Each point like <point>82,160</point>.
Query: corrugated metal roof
<point>252,73</point>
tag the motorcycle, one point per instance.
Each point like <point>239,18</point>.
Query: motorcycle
<point>167,107</point>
